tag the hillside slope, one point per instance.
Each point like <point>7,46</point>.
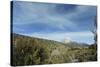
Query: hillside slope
<point>32,51</point>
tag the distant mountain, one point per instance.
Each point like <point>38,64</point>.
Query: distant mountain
<point>75,44</point>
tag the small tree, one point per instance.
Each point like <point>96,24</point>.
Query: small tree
<point>94,31</point>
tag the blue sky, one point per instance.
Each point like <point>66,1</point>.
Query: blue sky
<point>54,21</point>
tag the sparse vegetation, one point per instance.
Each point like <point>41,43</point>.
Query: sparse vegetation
<point>35,51</point>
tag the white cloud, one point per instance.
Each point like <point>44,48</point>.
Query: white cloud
<point>44,13</point>
<point>37,12</point>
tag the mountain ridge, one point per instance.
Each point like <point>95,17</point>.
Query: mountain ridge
<point>73,43</point>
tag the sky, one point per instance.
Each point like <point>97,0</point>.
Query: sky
<point>54,21</point>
